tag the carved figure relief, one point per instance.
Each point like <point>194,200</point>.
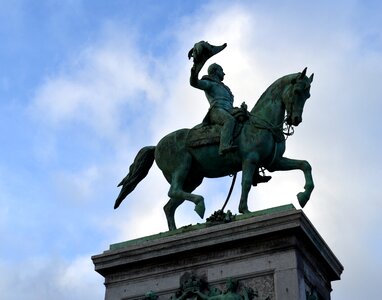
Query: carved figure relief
<point>193,287</point>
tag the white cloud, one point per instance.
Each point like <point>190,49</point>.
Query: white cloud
<point>79,276</point>
<point>53,278</point>
<point>78,186</point>
<point>96,84</point>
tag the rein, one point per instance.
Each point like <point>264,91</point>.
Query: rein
<point>284,128</point>
<point>288,130</point>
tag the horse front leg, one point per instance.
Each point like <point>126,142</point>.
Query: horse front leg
<point>286,164</point>
<point>249,168</point>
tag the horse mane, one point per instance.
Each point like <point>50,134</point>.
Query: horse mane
<point>274,91</point>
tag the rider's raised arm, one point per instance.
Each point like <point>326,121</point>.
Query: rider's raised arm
<point>196,82</point>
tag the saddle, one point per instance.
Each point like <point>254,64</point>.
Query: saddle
<point>209,134</point>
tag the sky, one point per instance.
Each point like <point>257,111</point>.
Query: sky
<point>85,84</point>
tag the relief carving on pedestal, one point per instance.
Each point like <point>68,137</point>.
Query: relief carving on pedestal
<point>193,287</point>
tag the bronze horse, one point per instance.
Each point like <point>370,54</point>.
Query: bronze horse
<point>261,144</point>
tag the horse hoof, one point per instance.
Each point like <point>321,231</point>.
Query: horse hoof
<point>171,225</point>
<point>244,211</point>
<point>200,209</point>
<point>302,199</point>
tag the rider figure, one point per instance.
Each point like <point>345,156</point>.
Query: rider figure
<point>220,98</point>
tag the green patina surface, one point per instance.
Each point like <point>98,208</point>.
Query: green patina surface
<point>189,228</point>
<point>229,140</point>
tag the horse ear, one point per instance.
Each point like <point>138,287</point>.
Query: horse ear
<point>311,78</point>
<point>303,73</point>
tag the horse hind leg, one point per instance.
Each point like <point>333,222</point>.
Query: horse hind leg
<point>169,210</point>
<point>176,191</point>
<point>178,197</point>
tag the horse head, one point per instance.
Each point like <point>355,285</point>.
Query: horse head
<point>295,95</point>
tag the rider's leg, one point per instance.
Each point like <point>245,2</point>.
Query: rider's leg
<point>224,118</point>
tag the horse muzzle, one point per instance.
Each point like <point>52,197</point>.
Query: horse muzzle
<point>294,120</point>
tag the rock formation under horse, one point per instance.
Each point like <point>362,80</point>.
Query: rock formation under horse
<point>228,141</point>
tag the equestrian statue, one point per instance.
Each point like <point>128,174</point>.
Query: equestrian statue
<point>229,139</point>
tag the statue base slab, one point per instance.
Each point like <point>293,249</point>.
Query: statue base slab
<point>277,253</point>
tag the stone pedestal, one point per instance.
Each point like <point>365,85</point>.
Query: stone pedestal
<point>276,253</point>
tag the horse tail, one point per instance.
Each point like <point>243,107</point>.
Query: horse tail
<point>137,171</point>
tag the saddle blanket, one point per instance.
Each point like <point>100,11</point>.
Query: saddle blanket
<point>203,135</point>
